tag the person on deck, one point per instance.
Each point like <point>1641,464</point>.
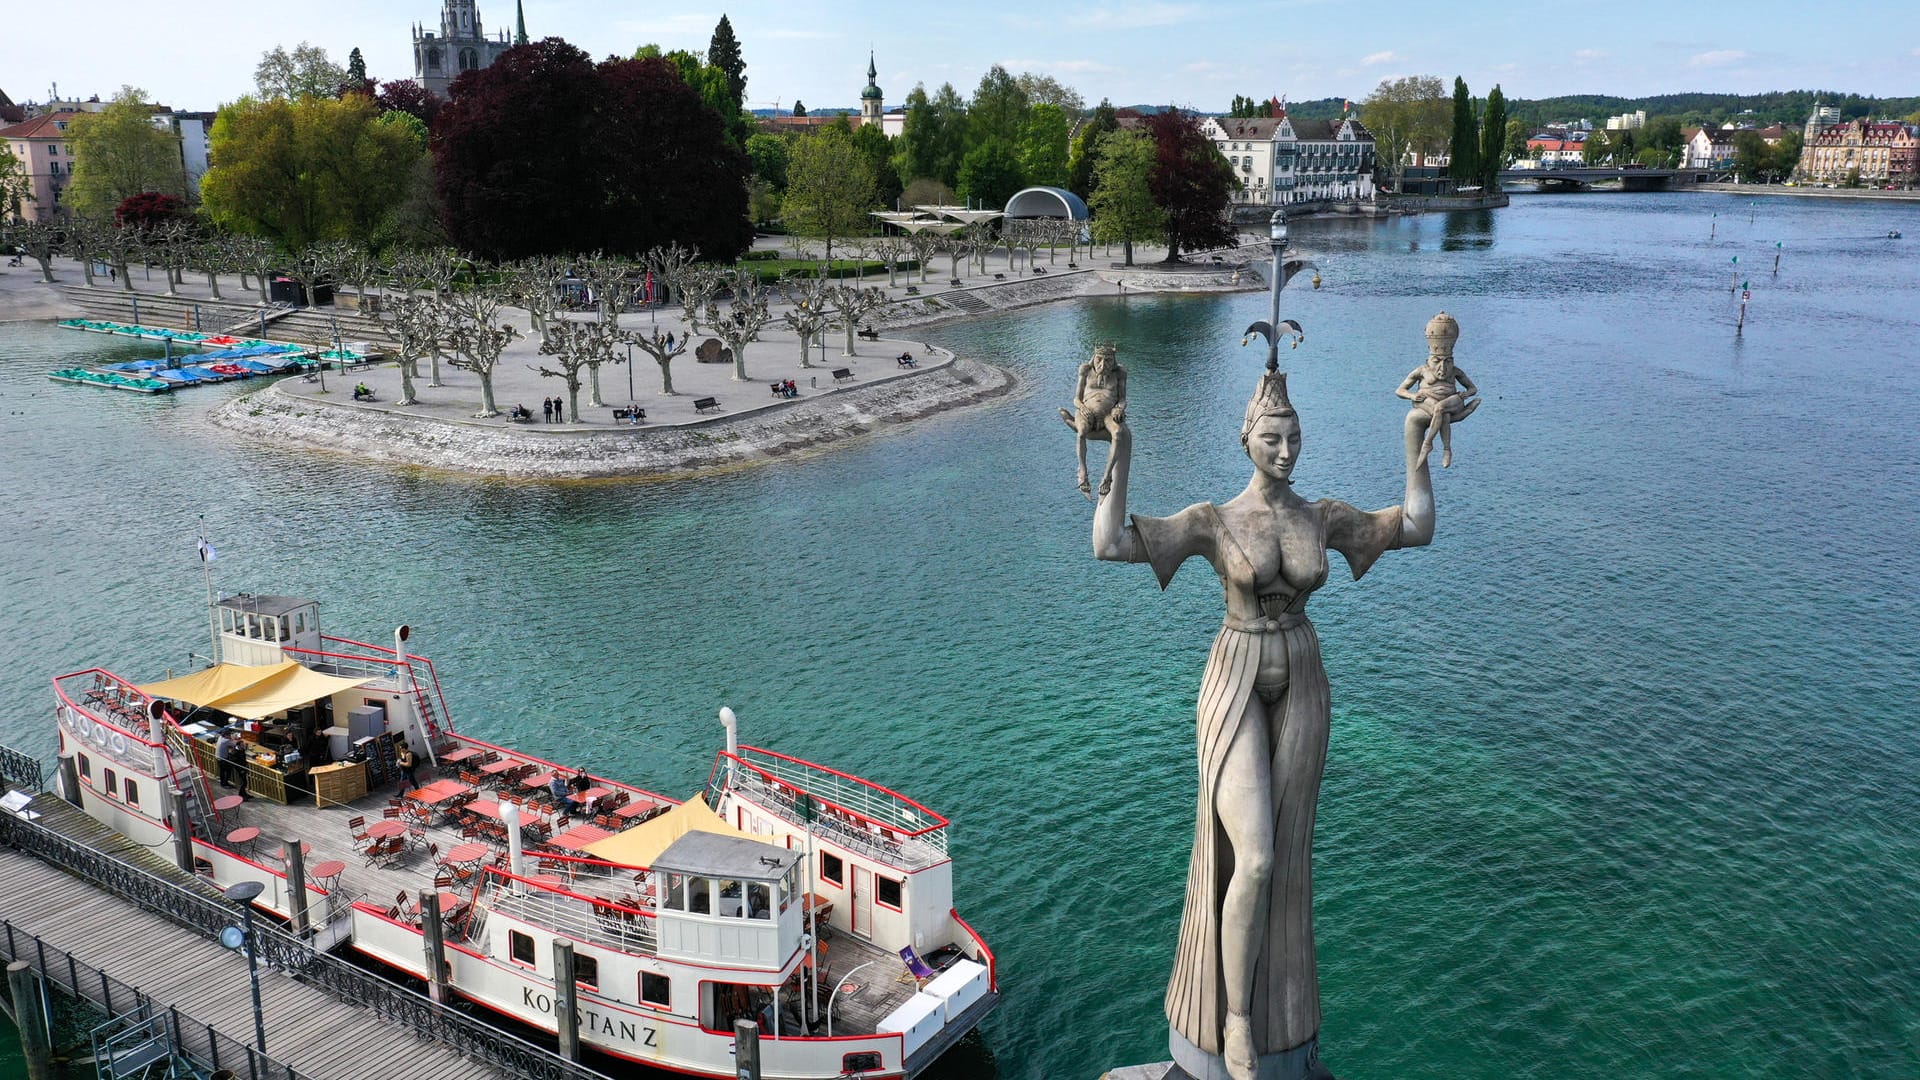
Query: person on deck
<point>408,765</point>
<point>222,754</point>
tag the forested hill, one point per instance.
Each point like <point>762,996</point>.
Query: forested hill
<point>1779,106</point>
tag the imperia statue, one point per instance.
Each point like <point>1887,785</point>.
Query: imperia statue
<point>1244,998</point>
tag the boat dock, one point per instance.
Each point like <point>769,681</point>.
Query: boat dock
<point>105,921</point>
<point>230,358</point>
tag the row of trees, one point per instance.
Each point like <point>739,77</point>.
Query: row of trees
<point>1410,116</point>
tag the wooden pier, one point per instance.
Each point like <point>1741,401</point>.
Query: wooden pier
<point>69,883</point>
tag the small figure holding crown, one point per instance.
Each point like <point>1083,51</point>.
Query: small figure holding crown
<point>1099,409</point>
<point>1439,390</point>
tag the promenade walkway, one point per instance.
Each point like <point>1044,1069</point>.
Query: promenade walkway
<point>316,1023</point>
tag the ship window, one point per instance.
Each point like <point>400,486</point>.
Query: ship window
<point>226,620</point>
<point>86,766</point>
<point>887,891</point>
<point>520,946</point>
<point>112,785</point>
<point>865,1061</point>
<point>759,904</point>
<point>133,792</point>
<point>730,900</point>
<point>831,869</point>
<point>677,892</point>
<point>586,970</point>
<point>699,897</point>
<point>286,628</point>
<point>656,989</point>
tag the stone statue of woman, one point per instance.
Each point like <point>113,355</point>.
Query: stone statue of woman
<point>1244,1000</point>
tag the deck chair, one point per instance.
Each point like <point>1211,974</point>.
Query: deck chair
<point>917,969</point>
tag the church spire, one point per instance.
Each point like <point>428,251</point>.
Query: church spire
<point>872,72</point>
<point>519,23</point>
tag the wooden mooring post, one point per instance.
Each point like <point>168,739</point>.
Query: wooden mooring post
<point>566,1000</point>
<point>29,1009</point>
<point>434,935</point>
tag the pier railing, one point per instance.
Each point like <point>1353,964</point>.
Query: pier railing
<point>21,770</point>
<point>293,957</point>
<point>202,1044</point>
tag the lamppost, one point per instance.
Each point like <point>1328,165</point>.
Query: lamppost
<point>630,398</point>
<point>1272,326</point>
<point>243,893</point>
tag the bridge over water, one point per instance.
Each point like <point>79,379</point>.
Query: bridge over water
<point>1582,178</point>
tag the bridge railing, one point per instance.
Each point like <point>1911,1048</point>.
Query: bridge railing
<point>293,957</point>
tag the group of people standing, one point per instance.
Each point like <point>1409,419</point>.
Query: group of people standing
<point>230,754</point>
<point>554,409</point>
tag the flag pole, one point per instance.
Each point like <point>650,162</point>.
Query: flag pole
<point>207,555</point>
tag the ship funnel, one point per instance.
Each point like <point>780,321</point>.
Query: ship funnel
<point>732,723</point>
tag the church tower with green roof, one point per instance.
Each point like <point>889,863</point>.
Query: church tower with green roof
<point>870,98</point>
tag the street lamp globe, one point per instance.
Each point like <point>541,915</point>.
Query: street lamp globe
<point>1278,227</point>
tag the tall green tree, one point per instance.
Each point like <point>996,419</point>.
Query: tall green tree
<point>723,52</point>
<point>874,145</point>
<point>1406,115</point>
<point>1043,146</point>
<point>1122,203</point>
<point>830,188</point>
<point>1082,177</point>
<point>769,154</point>
<point>118,152</point>
<point>1463,149</point>
<point>990,174</point>
<point>1047,90</point>
<point>935,138</point>
<point>307,71</point>
<point>314,169</point>
<point>356,67</point>
<point>1493,139</point>
<point>998,109</point>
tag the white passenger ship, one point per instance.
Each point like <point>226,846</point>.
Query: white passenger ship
<point>816,904</point>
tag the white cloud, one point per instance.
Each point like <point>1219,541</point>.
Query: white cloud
<point>1070,67</point>
<point>1387,57</point>
<point>1200,67</point>
<point>802,35</point>
<point>1718,58</point>
<point>676,25</point>
<point>1589,54</point>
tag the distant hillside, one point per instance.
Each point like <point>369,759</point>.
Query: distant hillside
<point>1779,106</point>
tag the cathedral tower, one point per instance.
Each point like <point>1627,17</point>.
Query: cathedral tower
<point>870,98</point>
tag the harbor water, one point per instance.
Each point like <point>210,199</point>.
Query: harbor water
<point>1621,776</point>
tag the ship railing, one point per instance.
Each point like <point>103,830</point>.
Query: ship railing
<point>860,834</point>
<point>294,957</point>
<point>433,677</point>
<point>889,813</point>
<point>346,665</point>
<point>102,696</point>
<point>599,919</point>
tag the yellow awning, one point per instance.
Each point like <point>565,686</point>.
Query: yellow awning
<point>252,691</point>
<point>216,682</point>
<point>643,843</point>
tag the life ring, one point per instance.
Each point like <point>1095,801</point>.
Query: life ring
<point>118,743</point>
<point>96,734</point>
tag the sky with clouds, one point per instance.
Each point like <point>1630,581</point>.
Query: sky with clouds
<point>200,54</point>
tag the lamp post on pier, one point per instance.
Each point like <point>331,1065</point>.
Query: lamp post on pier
<point>244,893</point>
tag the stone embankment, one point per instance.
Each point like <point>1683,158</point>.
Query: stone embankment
<point>1868,194</point>
<point>280,419</point>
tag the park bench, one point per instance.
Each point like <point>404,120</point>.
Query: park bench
<point>630,414</point>
<point>706,404</point>
<point>999,277</point>
<point>913,290</point>
<point>780,390</point>
<point>841,374</point>
<point>955,282</point>
<point>1039,269</point>
<point>869,333</point>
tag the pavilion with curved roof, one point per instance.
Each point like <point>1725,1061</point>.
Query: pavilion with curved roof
<point>1047,202</point>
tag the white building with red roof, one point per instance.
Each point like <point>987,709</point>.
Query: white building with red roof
<point>41,149</point>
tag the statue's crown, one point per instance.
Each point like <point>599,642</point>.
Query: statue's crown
<point>1443,330</point>
<point>1269,399</point>
<point>1105,351</point>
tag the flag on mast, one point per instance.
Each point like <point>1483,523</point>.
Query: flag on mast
<point>207,553</point>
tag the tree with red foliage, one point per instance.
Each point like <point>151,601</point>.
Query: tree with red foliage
<point>545,153</point>
<point>1191,182</point>
<point>407,96</point>
<point>147,211</point>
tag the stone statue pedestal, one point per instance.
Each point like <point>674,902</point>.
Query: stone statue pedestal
<point>1192,1063</point>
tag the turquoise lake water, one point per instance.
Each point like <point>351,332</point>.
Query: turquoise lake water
<point>1622,773</point>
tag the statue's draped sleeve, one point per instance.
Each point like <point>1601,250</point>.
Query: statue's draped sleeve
<point>1169,541</point>
<point>1361,535</point>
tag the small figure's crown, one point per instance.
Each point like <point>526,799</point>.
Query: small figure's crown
<point>1443,330</point>
<point>1105,351</point>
